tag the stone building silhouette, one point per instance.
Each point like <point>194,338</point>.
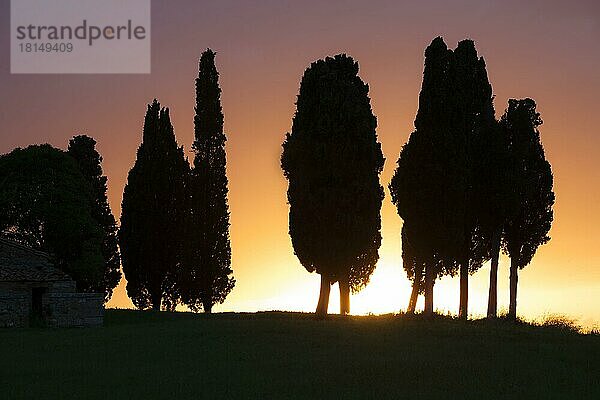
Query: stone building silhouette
<point>35,293</point>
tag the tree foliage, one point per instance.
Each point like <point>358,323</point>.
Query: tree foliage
<point>83,149</point>
<point>47,203</point>
<point>332,161</point>
<point>474,126</point>
<point>206,277</point>
<point>529,226</point>
<point>153,213</point>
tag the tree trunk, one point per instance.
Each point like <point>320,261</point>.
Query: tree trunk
<point>416,287</point>
<point>207,298</point>
<point>464,290</point>
<point>156,299</point>
<point>323,304</point>
<point>512,308</point>
<point>429,282</point>
<point>492,310</point>
<point>344,296</point>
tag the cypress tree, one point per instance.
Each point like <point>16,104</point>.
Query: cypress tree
<point>83,149</point>
<point>429,183</point>
<point>528,228</point>
<point>152,214</point>
<point>472,125</point>
<point>332,161</point>
<point>206,278</point>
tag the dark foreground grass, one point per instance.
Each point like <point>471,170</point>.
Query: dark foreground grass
<point>144,355</point>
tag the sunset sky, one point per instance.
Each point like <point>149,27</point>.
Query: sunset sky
<point>545,50</point>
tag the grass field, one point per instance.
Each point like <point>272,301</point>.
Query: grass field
<point>146,355</point>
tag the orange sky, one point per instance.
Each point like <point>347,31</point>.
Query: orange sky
<point>544,50</point>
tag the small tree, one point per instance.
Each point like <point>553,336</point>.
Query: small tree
<point>46,203</point>
<point>83,149</point>
<point>206,277</point>
<point>528,228</point>
<point>152,215</point>
<point>332,161</point>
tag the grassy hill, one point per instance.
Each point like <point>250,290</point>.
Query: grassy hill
<point>147,355</point>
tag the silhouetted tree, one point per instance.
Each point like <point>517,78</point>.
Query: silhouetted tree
<point>472,123</point>
<point>152,215</point>
<point>428,186</point>
<point>83,149</point>
<point>206,277</point>
<point>529,227</point>
<point>332,161</point>
<point>46,203</point>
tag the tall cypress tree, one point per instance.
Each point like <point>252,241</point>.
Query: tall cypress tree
<point>332,161</point>
<point>206,277</point>
<point>152,214</point>
<point>429,183</point>
<point>472,125</point>
<point>83,149</point>
<point>528,228</point>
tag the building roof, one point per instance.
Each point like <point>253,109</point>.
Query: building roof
<point>20,263</point>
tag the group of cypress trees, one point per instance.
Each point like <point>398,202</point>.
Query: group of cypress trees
<point>466,185</point>
<point>174,234</point>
